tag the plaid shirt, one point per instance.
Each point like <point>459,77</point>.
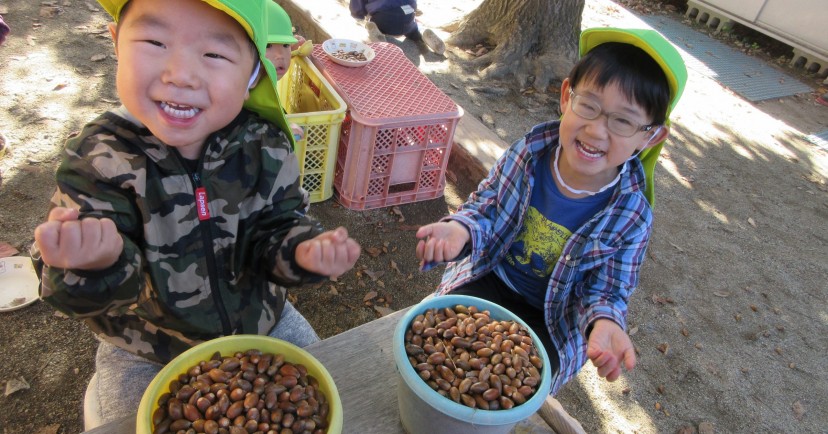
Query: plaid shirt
<point>599,266</point>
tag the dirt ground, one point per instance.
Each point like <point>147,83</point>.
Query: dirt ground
<point>730,320</point>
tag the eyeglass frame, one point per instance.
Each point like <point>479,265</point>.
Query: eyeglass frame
<point>638,127</point>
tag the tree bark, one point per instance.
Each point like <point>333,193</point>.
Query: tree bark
<point>536,40</point>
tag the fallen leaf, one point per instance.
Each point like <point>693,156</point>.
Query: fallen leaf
<point>6,249</point>
<point>373,251</point>
<point>664,348</point>
<point>660,389</point>
<point>658,406</point>
<point>395,267</point>
<point>798,410</point>
<point>383,311</point>
<point>59,86</point>
<point>369,296</point>
<point>333,291</point>
<point>633,331</point>
<point>737,317</point>
<point>751,221</point>
<point>658,299</point>
<point>49,429</point>
<point>754,308</point>
<point>685,332</point>
<point>778,350</point>
<point>706,428</point>
<point>50,11</point>
<point>16,384</point>
<point>396,210</point>
<point>374,275</point>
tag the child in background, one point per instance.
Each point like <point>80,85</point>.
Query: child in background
<point>4,30</point>
<point>395,18</point>
<point>280,44</point>
<point>179,217</point>
<point>558,230</point>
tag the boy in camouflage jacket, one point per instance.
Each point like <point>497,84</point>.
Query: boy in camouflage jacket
<point>179,217</point>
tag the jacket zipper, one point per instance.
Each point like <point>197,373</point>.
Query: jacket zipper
<point>206,236</point>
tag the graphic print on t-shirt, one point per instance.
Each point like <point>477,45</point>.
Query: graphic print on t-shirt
<point>538,245</point>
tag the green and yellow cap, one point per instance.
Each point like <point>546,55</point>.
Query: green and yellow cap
<point>667,57</point>
<point>279,27</point>
<point>250,14</point>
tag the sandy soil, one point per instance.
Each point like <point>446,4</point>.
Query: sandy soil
<point>730,321</point>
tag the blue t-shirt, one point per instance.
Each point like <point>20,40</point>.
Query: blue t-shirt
<point>549,222</point>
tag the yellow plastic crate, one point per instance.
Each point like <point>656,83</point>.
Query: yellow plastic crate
<point>312,103</point>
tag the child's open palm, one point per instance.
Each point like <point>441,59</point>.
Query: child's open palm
<point>66,242</point>
<point>610,349</point>
<point>330,253</point>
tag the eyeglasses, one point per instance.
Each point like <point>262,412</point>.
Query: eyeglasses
<point>617,123</point>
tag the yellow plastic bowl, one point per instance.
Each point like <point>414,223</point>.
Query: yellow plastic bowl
<point>229,345</point>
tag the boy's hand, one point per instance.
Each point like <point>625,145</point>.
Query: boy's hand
<point>69,243</point>
<point>441,242</point>
<point>330,253</point>
<point>610,348</point>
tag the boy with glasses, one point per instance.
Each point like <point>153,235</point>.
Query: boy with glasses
<point>558,230</point>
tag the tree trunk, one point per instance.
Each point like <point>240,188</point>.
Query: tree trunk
<point>534,40</point>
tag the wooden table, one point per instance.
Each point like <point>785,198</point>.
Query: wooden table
<point>361,363</point>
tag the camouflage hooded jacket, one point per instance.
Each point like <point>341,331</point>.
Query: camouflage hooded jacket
<point>206,254</point>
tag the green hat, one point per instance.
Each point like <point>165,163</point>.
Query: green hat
<point>666,55</point>
<point>279,27</point>
<point>250,15</point>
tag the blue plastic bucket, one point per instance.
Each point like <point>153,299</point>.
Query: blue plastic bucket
<point>423,410</point>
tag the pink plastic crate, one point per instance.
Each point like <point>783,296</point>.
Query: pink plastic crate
<point>397,135</point>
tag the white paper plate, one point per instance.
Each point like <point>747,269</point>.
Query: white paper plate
<point>331,46</point>
<point>18,283</point>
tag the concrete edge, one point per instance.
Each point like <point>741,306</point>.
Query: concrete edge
<point>476,148</point>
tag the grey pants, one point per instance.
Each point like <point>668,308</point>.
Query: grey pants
<point>123,376</point>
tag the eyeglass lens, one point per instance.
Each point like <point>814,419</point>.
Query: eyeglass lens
<point>616,122</point>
